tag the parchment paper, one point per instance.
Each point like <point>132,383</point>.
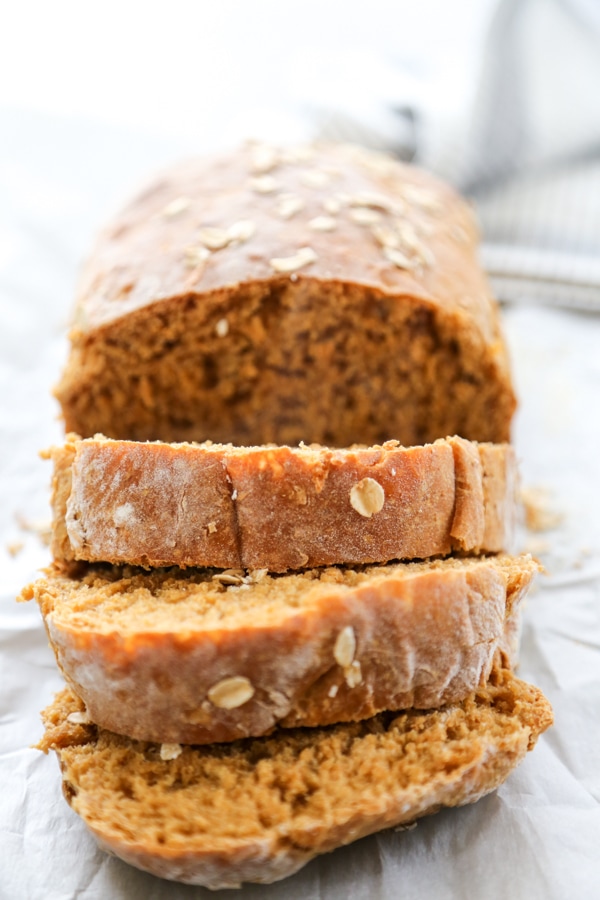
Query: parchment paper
<point>538,836</point>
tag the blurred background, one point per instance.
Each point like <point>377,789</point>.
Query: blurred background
<point>501,97</point>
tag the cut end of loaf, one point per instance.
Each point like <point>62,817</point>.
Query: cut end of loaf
<point>200,656</point>
<point>257,810</point>
<point>129,599</point>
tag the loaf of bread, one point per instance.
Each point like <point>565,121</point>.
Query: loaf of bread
<point>258,810</point>
<point>325,294</point>
<point>278,508</point>
<point>202,656</point>
<point>257,670</point>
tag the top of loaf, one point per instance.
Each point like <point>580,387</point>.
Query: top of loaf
<point>322,212</point>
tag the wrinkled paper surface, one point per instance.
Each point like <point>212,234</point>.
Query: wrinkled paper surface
<point>538,836</point>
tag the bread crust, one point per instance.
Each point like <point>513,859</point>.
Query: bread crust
<point>417,635</point>
<point>457,755</point>
<point>342,348</point>
<point>278,508</point>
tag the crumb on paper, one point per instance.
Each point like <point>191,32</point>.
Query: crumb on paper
<point>540,515</point>
<point>13,548</point>
<point>41,527</point>
<point>536,546</point>
<point>584,554</point>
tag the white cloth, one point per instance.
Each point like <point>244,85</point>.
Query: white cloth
<point>518,129</point>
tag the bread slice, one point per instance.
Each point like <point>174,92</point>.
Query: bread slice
<point>258,810</point>
<point>335,299</point>
<point>199,656</point>
<point>279,508</point>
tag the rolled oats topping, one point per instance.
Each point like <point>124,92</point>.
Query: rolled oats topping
<point>386,236</point>
<point>372,200</point>
<point>231,692</point>
<point>422,197</point>
<point>332,205</point>
<point>289,205</point>
<point>241,231</point>
<point>322,223</point>
<point>345,647</point>
<point>263,159</point>
<point>196,256</point>
<point>304,257</point>
<point>399,259</point>
<point>367,497</point>
<point>315,178</point>
<point>229,576</point>
<point>176,206</point>
<point>364,216</point>
<point>214,238</point>
<point>264,184</point>
<point>257,575</point>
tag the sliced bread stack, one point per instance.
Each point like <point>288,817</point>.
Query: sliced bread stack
<point>272,650</point>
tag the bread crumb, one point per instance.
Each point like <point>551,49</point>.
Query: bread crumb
<point>13,548</point>
<point>536,546</point>
<point>539,513</point>
<point>222,328</point>
<point>41,527</point>
<point>170,751</point>
<point>353,674</point>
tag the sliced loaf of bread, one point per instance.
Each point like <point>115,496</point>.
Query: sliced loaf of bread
<point>197,656</point>
<point>279,508</point>
<point>258,810</point>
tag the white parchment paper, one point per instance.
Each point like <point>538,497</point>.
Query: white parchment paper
<point>538,836</point>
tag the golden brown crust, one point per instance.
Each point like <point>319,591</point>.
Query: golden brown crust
<point>383,329</point>
<point>258,810</point>
<point>146,652</point>
<point>278,508</point>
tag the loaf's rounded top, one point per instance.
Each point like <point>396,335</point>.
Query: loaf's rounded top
<point>322,212</point>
